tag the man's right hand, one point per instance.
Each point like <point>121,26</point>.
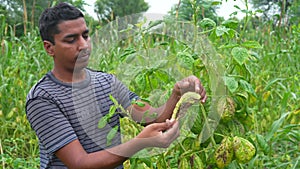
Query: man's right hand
<point>159,134</point>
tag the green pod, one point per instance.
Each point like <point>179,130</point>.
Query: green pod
<point>184,164</point>
<point>226,107</point>
<point>244,150</point>
<point>224,153</point>
<point>197,162</point>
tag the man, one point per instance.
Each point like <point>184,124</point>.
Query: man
<point>64,107</point>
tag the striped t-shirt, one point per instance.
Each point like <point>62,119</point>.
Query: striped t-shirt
<point>60,112</point>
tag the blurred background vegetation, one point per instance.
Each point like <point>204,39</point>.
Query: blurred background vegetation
<point>260,52</point>
<point>22,15</point>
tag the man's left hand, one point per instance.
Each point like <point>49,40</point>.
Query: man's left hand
<point>190,84</point>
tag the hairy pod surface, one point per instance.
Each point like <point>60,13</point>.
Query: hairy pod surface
<point>244,150</point>
<point>224,153</point>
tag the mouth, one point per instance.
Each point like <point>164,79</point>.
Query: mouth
<point>83,55</point>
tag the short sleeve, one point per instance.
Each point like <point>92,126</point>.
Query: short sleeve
<point>50,124</point>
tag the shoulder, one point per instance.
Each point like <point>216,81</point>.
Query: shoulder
<point>43,88</point>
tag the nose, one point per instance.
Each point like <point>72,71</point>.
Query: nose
<point>83,43</point>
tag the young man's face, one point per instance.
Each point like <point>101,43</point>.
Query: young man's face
<point>72,39</point>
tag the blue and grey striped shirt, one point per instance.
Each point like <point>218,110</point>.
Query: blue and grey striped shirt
<point>61,112</point>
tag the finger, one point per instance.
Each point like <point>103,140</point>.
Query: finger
<point>170,122</point>
<point>173,130</point>
<point>170,135</point>
<point>177,133</point>
<point>203,95</point>
<point>204,100</point>
<point>161,126</point>
<point>197,85</point>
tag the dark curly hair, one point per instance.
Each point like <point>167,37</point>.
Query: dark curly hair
<point>51,17</point>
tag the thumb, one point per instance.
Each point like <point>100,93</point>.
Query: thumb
<point>183,84</point>
<point>161,126</point>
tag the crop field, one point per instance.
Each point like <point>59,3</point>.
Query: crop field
<point>250,69</point>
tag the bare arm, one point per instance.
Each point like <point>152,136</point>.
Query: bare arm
<point>74,156</point>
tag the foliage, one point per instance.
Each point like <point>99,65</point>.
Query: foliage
<point>108,10</point>
<point>23,61</point>
<point>280,11</point>
<point>261,76</point>
<point>24,15</point>
<point>192,9</point>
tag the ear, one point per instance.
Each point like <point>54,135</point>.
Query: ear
<point>49,47</point>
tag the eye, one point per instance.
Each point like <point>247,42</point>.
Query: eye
<point>70,40</point>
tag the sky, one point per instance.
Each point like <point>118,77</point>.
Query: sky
<point>163,6</point>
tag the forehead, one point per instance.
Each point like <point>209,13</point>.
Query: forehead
<point>72,26</point>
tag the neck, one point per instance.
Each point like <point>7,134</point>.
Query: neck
<point>69,77</point>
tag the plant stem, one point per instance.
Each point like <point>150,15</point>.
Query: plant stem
<point>1,151</point>
<point>246,21</point>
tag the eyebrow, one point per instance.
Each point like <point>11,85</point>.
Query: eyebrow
<point>74,35</point>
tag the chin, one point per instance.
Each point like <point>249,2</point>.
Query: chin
<point>80,67</point>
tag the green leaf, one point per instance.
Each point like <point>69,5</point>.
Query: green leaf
<point>237,7</point>
<point>206,22</point>
<point>275,126</point>
<point>229,45</point>
<point>231,33</point>
<point>147,161</point>
<point>113,99</point>
<point>140,104</point>
<point>164,43</point>
<point>127,53</point>
<point>161,64</point>
<point>216,3</point>
<point>140,79</point>
<point>112,133</point>
<point>221,30</point>
<point>112,111</point>
<point>234,13</point>
<point>102,122</point>
<point>134,162</point>
<point>145,100</point>
<point>154,23</point>
<point>247,87</point>
<point>233,24</point>
<point>272,82</point>
<point>243,95</point>
<point>251,44</point>
<point>185,60</point>
<point>259,11</point>
<point>240,55</point>
<point>231,83</point>
<point>263,144</point>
